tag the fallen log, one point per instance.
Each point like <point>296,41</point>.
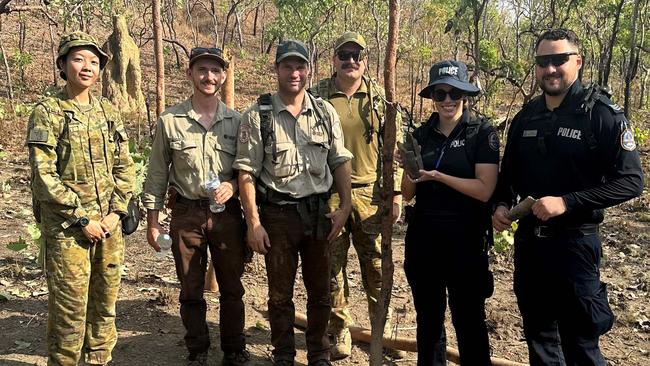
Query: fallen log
<point>402,343</point>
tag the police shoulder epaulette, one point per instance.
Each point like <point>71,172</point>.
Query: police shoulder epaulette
<point>615,108</point>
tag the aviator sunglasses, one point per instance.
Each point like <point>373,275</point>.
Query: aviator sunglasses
<point>557,59</point>
<point>440,95</point>
<point>345,55</point>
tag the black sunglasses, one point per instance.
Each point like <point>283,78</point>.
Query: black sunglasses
<point>203,50</point>
<point>557,59</point>
<point>345,55</point>
<point>440,95</point>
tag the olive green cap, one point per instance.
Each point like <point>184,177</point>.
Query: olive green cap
<point>81,39</point>
<point>353,37</point>
<point>291,48</point>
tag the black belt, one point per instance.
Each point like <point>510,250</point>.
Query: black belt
<point>361,185</point>
<point>542,231</point>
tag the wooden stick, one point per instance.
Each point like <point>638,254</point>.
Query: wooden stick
<point>402,343</point>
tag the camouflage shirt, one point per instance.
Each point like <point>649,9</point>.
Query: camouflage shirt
<point>80,161</point>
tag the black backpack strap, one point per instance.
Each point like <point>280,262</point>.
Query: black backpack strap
<point>266,110</point>
<point>594,94</point>
<point>322,115</point>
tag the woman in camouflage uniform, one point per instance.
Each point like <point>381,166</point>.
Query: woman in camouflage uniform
<point>82,180</point>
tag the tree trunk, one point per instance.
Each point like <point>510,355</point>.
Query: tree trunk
<point>630,73</point>
<point>190,22</point>
<point>257,13</point>
<point>612,41</point>
<point>228,88</point>
<point>379,316</point>
<point>644,88</point>
<point>10,88</point>
<point>160,60</point>
<point>54,52</point>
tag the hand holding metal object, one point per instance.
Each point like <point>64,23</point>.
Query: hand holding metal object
<point>522,209</point>
<point>411,158</point>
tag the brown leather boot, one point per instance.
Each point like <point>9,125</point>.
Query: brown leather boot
<point>341,344</point>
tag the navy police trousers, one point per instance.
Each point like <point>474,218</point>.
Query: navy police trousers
<point>562,301</point>
<point>448,258</point>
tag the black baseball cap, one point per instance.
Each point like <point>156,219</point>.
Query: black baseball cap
<point>292,48</point>
<point>208,52</point>
<point>452,73</point>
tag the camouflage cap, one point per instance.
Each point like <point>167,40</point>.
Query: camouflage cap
<point>353,37</point>
<point>80,39</point>
<point>292,48</point>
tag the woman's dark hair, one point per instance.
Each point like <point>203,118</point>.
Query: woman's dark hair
<point>558,34</point>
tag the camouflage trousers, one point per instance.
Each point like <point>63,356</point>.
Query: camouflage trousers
<point>83,282</point>
<point>363,229</point>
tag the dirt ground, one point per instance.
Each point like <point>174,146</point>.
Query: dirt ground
<point>151,332</point>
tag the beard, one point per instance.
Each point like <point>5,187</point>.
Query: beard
<point>555,90</point>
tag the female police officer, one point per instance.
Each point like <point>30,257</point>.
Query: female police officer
<point>446,241</point>
<point>82,180</point>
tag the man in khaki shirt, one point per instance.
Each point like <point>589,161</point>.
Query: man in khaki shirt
<point>294,151</point>
<point>194,139</point>
<point>360,105</point>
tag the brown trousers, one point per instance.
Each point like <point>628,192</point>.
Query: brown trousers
<point>194,229</point>
<point>286,233</point>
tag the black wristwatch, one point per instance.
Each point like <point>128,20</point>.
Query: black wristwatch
<point>83,221</point>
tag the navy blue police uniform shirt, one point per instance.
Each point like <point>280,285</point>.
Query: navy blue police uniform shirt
<point>450,156</point>
<point>548,154</point>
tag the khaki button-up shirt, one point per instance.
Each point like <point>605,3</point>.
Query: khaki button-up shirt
<point>306,155</point>
<point>184,153</point>
<point>360,117</point>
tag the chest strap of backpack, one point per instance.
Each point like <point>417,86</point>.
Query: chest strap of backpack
<point>266,109</point>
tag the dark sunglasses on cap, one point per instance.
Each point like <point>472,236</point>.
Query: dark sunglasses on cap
<point>440,95</point>
<point>557,59</point>
<point>345,55</point>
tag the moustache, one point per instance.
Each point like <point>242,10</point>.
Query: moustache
<point>349,66</point>
<point>553,75</point>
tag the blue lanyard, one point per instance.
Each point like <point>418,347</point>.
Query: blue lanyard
<point>445,144</point>
<point>442,153</point>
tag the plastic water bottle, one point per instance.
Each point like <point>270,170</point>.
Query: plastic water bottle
<point>165,243</point>
<point>210,186</point>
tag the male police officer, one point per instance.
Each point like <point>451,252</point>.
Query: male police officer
<point>292,144</point>
<point>359,103</point>
<point>193,140</point>
<point>82,180</point>
<point>572,149</point>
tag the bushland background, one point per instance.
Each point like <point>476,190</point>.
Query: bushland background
<point>496,38</point>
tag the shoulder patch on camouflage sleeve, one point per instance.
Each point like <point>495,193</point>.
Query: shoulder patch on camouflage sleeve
<point>38,135</point>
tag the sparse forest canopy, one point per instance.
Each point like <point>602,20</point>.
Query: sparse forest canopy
<point>496,38</point>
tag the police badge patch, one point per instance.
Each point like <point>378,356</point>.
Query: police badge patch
<point>493,141</point>
<point>244,133</point>
<point>627,140</point>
